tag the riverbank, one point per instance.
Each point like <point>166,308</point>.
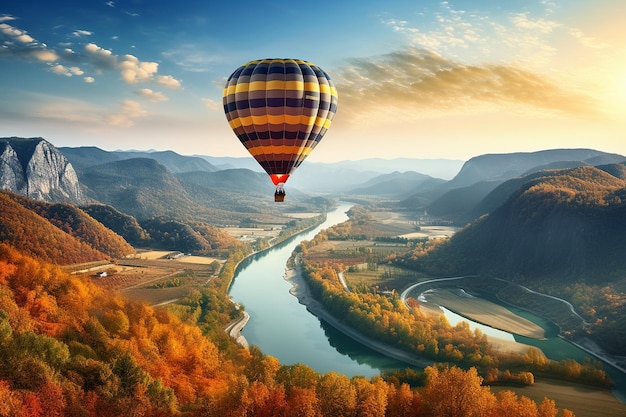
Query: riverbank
<point>235,327</point>
<point>300,290</point>
<point>490,318</point>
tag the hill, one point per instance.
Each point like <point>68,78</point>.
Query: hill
<point>140,187</point>
<point>122,224</point>
<point>556,223</point>
<point>396,184</point>
<point>457,200</point>
<point>57,233</point>
<point>559,232</point>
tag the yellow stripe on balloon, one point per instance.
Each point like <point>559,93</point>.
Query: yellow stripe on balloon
<point>235,123</point>
<point>278,119</point>
<point>228,90</point>
<point>276,85</point>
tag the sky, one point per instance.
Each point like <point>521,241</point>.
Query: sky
<point>421,79</point>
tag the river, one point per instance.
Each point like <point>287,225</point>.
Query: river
<point>283,328</point>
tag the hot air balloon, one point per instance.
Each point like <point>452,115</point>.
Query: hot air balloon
<point>279,109</point>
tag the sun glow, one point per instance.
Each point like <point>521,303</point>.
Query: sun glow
<point>620,90</point>
<point>615,92</point>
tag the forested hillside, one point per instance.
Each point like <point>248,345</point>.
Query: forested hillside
<point>121,223</point>
<point>68,236</point>
<point>558,223</point>
<point>68,348</point>
<point>560,232</point>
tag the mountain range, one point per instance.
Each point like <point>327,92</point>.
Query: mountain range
<point>545,218</point>
<point>222,190</point>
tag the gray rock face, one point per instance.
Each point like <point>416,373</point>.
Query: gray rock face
<point>35,168</point>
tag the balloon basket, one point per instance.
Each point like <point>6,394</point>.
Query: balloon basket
<point>279,197</point>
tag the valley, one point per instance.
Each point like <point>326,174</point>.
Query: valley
<point>524,238</point>
<point>163,277</point>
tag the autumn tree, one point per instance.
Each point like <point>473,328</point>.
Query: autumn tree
<point>336,395</point>
<point>452,392</point>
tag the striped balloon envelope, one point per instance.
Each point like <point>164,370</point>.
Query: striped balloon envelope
<point>279,109</point>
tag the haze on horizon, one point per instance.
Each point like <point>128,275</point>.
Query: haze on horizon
<point>438,79</point>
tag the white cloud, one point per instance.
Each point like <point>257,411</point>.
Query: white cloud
<point>65,110</point>
<point>68,72</point>
<point>412,83</point>
<point>587,41</point>
<point>134,71</point>
<point>61,70</point>
<point>89,80</point>
<point>211,104</point>
<point>95,59</point>
<point>153,96</point>
<point>168,81</point>
<point>193,58</point>
<point>80,32</point>
<point>15,33</point>
<point>129,110</point>
<point>100,57</point>
<point>45,55</point>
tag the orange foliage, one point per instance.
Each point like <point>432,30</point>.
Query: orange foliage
<point>111,357</point>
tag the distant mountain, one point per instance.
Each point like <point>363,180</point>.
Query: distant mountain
<point>35,168</point>
<point>396,184</point>
<point>346,176</point>
<point>235,180</point>
<point>229,162</point>
<point>184,187</point>
<point>497,197</point>
<point>56,232</point>
<point>458,199</point>
<point>176,163</point>
<point>502,167</point>
<point>555,223</point>
<point>140,187</point>
<point>89,156</point>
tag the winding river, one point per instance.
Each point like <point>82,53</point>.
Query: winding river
<point>283,328</point>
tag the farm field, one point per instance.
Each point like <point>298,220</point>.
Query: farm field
<point>251,234</point>
<point>153,278</point>
<point>406,225</point>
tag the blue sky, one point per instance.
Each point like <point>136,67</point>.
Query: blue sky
<point>424,79</point>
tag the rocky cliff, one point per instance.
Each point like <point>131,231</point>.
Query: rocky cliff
<point>35,168</point>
